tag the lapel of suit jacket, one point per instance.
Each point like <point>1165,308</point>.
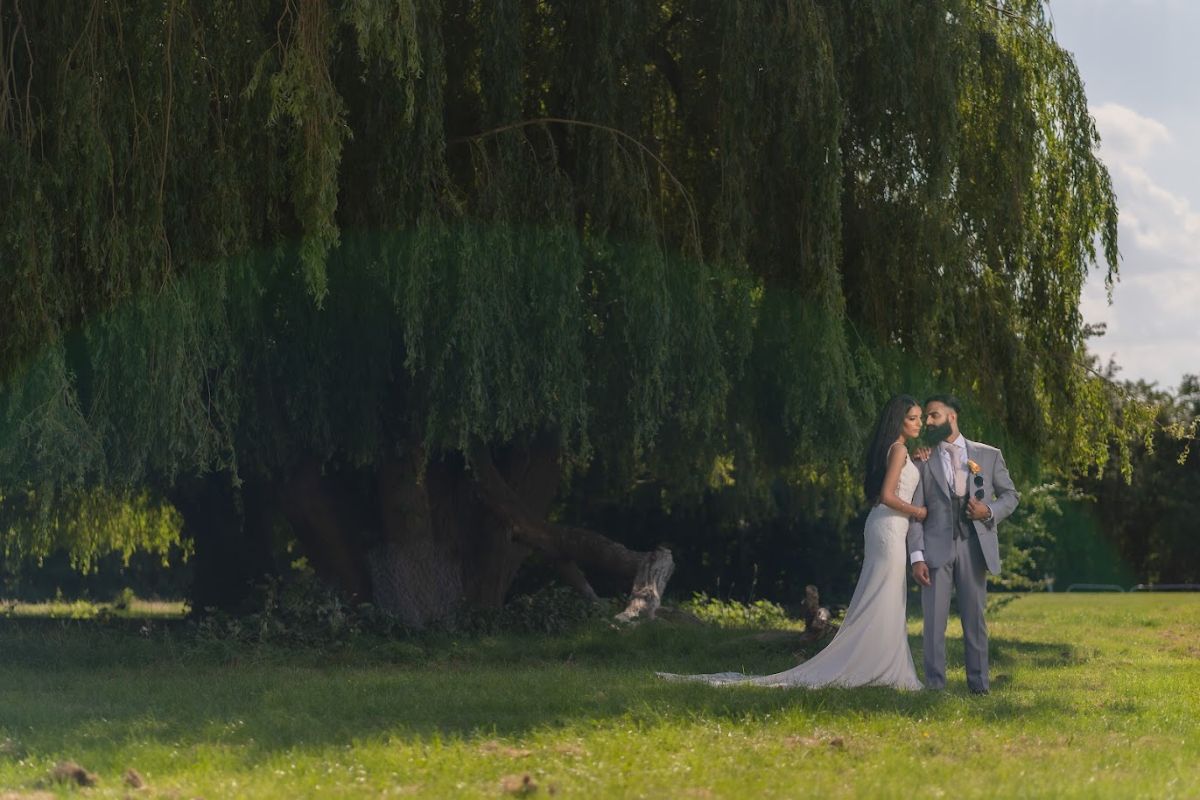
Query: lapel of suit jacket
<point>939,470</point>
<point>972,455</point>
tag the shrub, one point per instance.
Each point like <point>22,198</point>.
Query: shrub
<point>302,611</point>
<point>735,614</point>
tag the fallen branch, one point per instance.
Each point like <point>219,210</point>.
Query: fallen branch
<point>574,548</point>
<point>818,622</point>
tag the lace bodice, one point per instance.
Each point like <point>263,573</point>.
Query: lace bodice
<point>909,477</point>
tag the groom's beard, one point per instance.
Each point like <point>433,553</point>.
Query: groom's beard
<point>936,434</point>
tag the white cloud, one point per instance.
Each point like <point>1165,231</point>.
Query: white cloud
<point>1153,329</point>
<point>1164,363</point>
<point>1126,134</point>
<point>1157,219</point>
<point>1138,59</point>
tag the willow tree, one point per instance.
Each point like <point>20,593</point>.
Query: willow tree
<point>386,276</point>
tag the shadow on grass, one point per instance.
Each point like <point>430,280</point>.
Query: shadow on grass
<point>66,686</point>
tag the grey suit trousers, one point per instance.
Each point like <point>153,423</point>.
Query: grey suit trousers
<point>966,571</point>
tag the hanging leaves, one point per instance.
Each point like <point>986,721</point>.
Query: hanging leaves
<point>698,241</point>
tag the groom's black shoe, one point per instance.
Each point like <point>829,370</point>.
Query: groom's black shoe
<point>979,691</point>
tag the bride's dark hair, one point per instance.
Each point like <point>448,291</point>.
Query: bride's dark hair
<point>887,429</point>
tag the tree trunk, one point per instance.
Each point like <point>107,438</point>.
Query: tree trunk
<point>323,520</point>
<point>576,546</point>
<point>231,546</point>
<point>417,573</point>
<point>818,622</point>
<point>447,536</point>
<point>648,585</point>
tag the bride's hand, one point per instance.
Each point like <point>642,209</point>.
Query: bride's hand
<point>922,454</point>
<point>921,514</point>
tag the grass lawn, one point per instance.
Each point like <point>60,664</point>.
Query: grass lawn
<point>1093,696</point>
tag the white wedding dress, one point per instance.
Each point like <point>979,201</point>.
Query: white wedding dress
<point>871,646</point>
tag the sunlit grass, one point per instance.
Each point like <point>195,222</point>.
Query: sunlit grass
<point>86,609</point>
<point>1093,696</point>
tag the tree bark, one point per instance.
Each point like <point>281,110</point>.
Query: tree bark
<point>567,544</point>
<point>492,557</point>
<point>447,534</point>
<point>319,514</point>
<point>231,545</point>
<point>818,622</point>
<point>648,585</point>
<point>573,576</point>
<point>417,573</point>
<point>412,537</point>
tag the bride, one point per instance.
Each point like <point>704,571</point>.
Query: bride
<point>871,647</point>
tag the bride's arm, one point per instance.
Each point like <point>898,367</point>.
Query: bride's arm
<point>891,479</point>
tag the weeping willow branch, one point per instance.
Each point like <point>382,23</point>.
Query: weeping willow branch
<point>1005,12</point>
<point>1147,414</point>
<point>693,218</point>
<point>169,69</point>
<point>833,177</point>
<point>11,102</point>
<point>170,98</point>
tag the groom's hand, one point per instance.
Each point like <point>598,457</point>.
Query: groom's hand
<point>920,573</point>
<point>978,510</point>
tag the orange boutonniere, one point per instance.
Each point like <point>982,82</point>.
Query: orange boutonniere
<point>975,468</point>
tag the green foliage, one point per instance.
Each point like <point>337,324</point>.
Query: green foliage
<point>87,525</point>
<point>1027,539</point>
<point>300,611</point>
<point>297,611</point>
<point>302,92</point>
<point>670,235</point>
<point>553,609</point>
<point>125,610</point>
<point>735,614</point>
<point>124,599</point>
<point>1145,517</point>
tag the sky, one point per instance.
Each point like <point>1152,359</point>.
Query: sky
<point>1140,65</point>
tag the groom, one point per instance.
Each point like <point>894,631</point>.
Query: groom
<point>967,490</point>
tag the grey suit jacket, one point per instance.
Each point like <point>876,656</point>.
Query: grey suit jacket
<point>935,536</point>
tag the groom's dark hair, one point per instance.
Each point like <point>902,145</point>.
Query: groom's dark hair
<point>946,400</point>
